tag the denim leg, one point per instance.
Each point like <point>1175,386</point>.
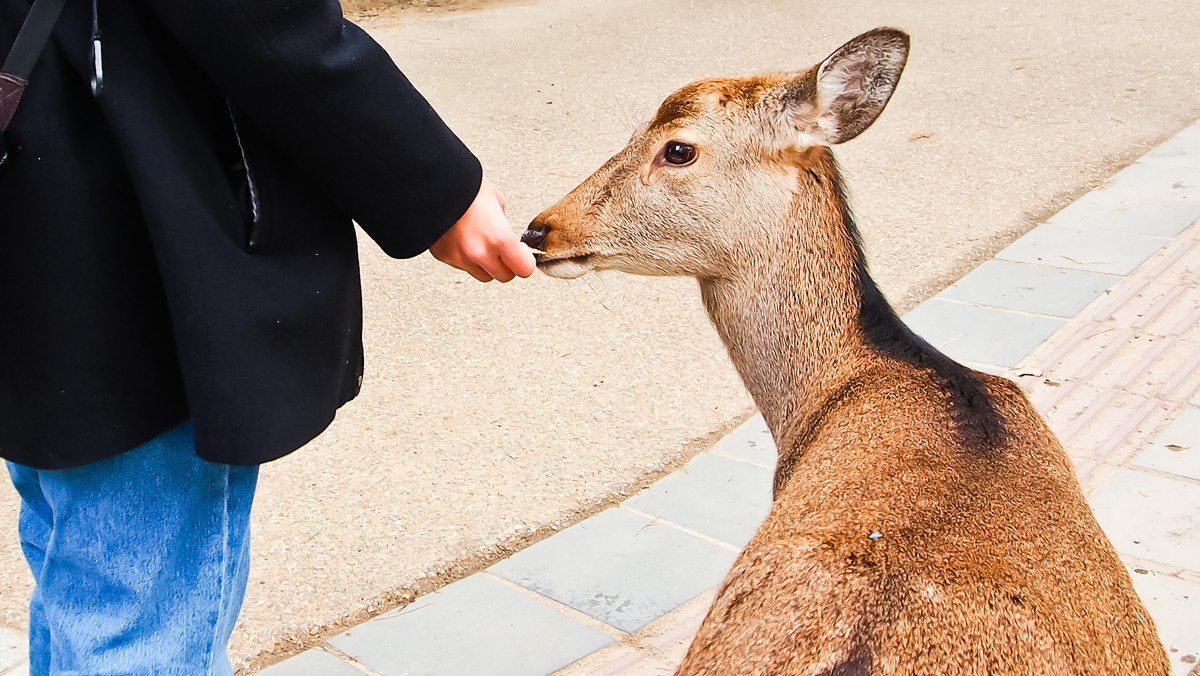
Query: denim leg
<point>33,526</point>
<point>140,560</point>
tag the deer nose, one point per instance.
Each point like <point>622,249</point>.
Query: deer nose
<point>535,235</point>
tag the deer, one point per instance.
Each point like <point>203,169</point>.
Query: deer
<point>925,520</point>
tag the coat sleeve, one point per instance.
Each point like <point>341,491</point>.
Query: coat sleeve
<point>333,101</point>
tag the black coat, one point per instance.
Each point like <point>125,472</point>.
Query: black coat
<point>145,278</point>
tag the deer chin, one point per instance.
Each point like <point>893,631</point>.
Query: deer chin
<point>567,268</point>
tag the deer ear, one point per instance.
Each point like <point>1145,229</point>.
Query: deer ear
<point>851,87</point>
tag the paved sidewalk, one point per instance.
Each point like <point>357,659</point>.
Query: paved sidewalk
<point>1096,313</point>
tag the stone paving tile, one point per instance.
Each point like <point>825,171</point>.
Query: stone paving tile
<point>1176,449</point>
<point>1086,249</point>
<point>1103,426</point>
<point>14,648</point>
<point>610,661</point>
<point>619,568</point>
<point>1145,198</point>
<point>1125,360</point>
<point>980,334</point>
<point>478,625</point>
<point>1181,150</point>
<point>1002,371</point>
<point>1175,605</point>
<point>673,645</point>
<point>1030,288</point>
<point>1151,517</point>
<point>1180,264</point>
<point>1161,308</point>
<point>647,666</point>
<point>1144,215</point>
<point>655,649</point>
<point>719,497</point>
<point>1089,350</point>
<point>1114,427</point>
<point>1179,315</point>
<point>1166,182</point>
<point>308,663</point>
<point>638,664</point>
<point>1058,400</point>
<point>1141,364</point>
<point>751,442</point>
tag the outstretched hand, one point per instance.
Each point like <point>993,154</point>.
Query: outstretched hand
<point>483,243</point>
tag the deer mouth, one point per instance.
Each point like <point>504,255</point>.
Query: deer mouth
<point>565,267</point>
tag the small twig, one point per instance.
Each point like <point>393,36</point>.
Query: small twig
<point>1073,260</point>
<point>315,533</point>
<point>1093,335</point>
<point>406,611</point>
<point>652,522</point>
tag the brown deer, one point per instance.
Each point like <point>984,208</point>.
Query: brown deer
<point>925,519</point>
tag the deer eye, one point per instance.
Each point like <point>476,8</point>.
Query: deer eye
<point>678,153</point>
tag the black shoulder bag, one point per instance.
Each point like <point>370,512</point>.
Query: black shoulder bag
<point>14,76</point>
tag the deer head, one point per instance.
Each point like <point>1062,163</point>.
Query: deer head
<point>709,182</point>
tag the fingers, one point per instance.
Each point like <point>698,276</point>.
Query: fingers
<point>485,263</point>
<point>477,272</point>
<point>508,259</point>
<point>517,258</point>
<point>483,243</point>
<point>494,268</point>
<point>456,257</point>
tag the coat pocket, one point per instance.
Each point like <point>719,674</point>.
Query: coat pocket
<point>249,191</point>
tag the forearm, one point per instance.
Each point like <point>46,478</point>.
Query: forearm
<point>332,100</point>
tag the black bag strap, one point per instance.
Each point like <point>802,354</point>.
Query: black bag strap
<point>32,37</point>
<point>26,49</point>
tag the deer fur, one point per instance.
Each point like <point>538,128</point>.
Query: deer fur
<point>925,519</point>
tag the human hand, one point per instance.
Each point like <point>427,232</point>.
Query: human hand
<point>483,243</point>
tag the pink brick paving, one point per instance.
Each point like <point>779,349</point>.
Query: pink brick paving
<point>1125,366</point>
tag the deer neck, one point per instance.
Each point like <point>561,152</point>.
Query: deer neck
<point>788,309</point>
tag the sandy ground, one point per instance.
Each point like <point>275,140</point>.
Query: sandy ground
<point>363,10</point>
<point>493,414</point>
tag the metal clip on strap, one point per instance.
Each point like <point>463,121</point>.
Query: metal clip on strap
<point>97,54</point>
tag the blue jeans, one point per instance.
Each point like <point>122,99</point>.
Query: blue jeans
<point>140,561</point>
